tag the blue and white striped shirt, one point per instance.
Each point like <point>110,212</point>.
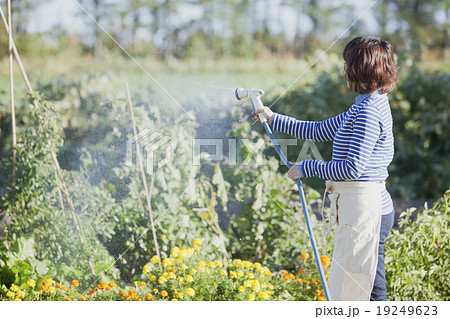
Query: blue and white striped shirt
<point>363,143</point>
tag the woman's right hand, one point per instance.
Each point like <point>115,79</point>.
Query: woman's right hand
<point>266,112</point>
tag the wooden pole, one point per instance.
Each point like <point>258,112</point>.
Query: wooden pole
<point>11,88</point>
<point>144,179</point>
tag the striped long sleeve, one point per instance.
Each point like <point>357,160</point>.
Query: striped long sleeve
<point>313,131</point>
<point>363,137</point>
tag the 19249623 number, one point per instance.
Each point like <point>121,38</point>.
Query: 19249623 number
<point>407,310</point>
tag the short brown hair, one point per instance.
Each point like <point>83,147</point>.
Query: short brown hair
<point>370,65</point>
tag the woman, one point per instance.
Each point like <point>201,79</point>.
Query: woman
<point>362,150</point>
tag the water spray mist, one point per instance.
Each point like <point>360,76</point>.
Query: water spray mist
<point>255,96</point>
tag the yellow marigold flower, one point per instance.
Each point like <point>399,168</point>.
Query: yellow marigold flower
<point>180,279</point>
<point>178,295</point>
<point>247,264</point>
<point>321,299</point>
<point>190,292</point>
<point>263,284</point>
<point>183,267</point>
<point>304,256</point>
<point>155,260</point>
<point>250,275</point>
<point>10,294</point>
<point>136,298</point>
<point>183,253</point>
<point>17,299</point>
<point>239,263</point>
<point>318,292</point>
<point>257,266</point>
<point>247,283</point>
<point>152,278</point>
<point>122,293</point>
<point>193,271</point>
<point>31,283</point>
<point>218,263</point>
<point>131,292</point>
<point>173,299</point>
<point>164,293</point>
<point>171,275</point>
<point>291,276</point>
<point>232,274</point>
<point>271,287</point>
<point>263,295</point>
<point>75,283</point>
<point>251,297</point>
<point>51,290</point>
<point>211,264</point>
<point>325,260</point>
<point>83,298</point>
<point>174,252</point>
<point>149,296</point>
<point>240,273</point>
<point>189,278</point>
<point>284,272</point>
<point>167,261</point>
<point>197,243</point>
<point>268,273</point>
<point>155,290</point>
<point>299,280</point>
<point>223,272</point>
<point>142,284</point>
<point>68,299</point>
<point>241,288</point>
<point>169,269</point>
<point>256,285</point>
<point>162,279</point>
<point>146,269</point>
<point>14,288</point>
<point>201,264</point>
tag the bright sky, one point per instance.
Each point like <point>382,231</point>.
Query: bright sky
<point>68,15</point>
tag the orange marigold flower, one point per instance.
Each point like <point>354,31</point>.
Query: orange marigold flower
<point>122,293</point>
<point>300,271</point>
<point>68,299</point>
<point>102,285</point>
<point>83,298</point>
<point>75,283</point>
<point>325,260</point>
<point>284,272</point>
<point>137,298</point>
<point>149,296</point>
<point>286,277</point>
<point>322,299</point>
<point>164,293</point>
<point>291,276</point>
<point>142,284</point>
<point>300,280</point>
<point>57,285</point>
<point>304,256</point>
<point>131,292</point>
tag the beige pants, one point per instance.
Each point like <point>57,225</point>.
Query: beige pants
<point>358,210</point>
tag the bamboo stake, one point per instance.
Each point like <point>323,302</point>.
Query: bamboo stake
<point>56,166</point>
<point>144,180</point>
<point>11,87</point>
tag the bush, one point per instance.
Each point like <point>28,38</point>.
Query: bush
<point>417,263</point>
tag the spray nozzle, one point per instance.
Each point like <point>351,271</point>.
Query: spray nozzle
<point>241,93</point>
<point>255,95</point>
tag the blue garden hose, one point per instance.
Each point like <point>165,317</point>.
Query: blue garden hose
<point>305,211</point>
<point>255,96</point>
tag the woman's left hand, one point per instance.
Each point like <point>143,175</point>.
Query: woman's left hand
<point>294,172</point>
